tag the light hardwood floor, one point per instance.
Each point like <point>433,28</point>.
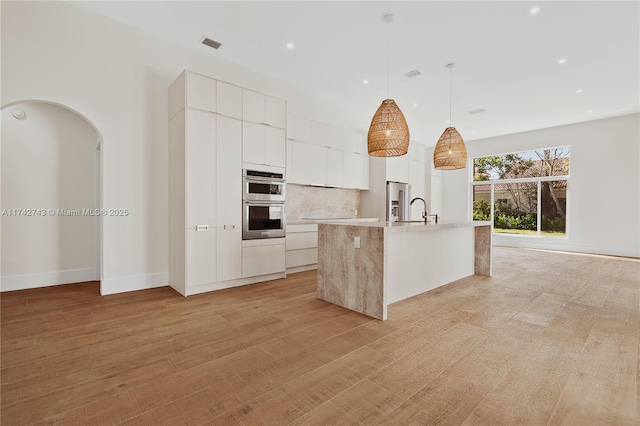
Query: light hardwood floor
<point>551,338</point>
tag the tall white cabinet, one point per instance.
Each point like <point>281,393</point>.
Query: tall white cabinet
<point>410,168</point>
<point>207,135</point>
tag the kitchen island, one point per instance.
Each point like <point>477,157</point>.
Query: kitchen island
<point>367,266</point>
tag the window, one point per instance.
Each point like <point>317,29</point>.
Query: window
<point>523,193</point>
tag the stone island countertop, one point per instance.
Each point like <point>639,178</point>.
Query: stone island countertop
<point>366,266</point>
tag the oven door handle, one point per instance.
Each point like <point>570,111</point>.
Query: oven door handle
<point>264,203</point>
<point>256,179</point>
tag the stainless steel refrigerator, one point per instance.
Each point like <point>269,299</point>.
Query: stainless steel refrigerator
<point>397,201</point>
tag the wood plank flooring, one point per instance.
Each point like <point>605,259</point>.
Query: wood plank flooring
<point>551,338</point>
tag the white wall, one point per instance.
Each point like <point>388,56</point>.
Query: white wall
<point>48,163</point>
<point>603,204</point>
<point>118,77</point>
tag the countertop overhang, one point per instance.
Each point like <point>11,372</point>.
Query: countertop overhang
<point>413,226</point>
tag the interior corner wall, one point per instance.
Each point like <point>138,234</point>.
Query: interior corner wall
<point>48,167</point>
<point>118,77</point>
<point>603,200</point>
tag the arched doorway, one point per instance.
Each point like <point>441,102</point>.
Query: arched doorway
<point>50,165</point>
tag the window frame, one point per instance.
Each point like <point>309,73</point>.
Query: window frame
<point>538,180</point>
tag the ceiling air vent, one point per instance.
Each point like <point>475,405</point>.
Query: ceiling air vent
<point>211,43</point>
<point>412,74</point>
<point>477,111</point>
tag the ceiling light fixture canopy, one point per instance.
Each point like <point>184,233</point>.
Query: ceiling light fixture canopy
<point>450,152</point>
<point>388,133</point>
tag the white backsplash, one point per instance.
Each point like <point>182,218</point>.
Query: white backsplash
<point>313,201</point>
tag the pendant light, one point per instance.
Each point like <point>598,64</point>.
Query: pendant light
<point>388,133</point>
<point>450,152</point>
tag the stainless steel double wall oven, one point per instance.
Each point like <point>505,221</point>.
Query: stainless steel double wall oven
<point>263,203</point>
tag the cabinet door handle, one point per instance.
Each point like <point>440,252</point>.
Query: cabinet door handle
<point>226,227</point>
<point>202,228</point>
<point>266,124</point>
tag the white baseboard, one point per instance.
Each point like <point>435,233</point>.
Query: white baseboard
<point>47,279</point>
<point>560,245</point>
<point>133,283</point>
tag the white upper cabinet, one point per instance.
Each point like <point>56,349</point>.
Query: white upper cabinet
<point>275,147</point>
<point>229,100</point>
<point>308,164</point>
<point>275,112</point>
<point>253,106</point>
<point>320,154</point>
<point>355,171</point>
<point>253,143</point>
<point>201,92</point>
<point>319,134</point>
<point>263,145</point>
<point>335,162</point>
<point>300,129</point>
<point>398,169</point>
<point>263,109</point>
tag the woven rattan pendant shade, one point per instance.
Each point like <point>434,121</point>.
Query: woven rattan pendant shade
<point>450,152</point>
<point>388,133</point>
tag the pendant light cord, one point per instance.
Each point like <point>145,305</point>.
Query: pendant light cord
<point>388,54</point>
<point>450,94</point>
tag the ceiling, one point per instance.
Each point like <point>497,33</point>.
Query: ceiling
<point>507,59</point>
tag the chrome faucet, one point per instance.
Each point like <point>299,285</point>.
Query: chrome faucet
<point>424,212</point>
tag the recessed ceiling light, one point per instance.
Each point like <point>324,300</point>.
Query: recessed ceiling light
<point>534,10</point>
<point>18,114</point>
<point>415,104</point>
<point>562,60</point>
<point>579,91</point>
<point>589,111</point>
<point>289,45</point>
<point>365,81</point>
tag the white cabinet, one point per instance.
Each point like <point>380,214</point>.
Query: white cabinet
<point>201,92</point>
<point>263,145</point>
<point>263,109</point>
<point>262,257</point>
<point>355,171</point>
<point>229,100</point>
<point>206,153</point>
<point>275,147</point>
<point>300,129</point>
<point>308,164</point>
<point>201,257</point>
<point>253,106</point>
<point>398,169</point>
<point>302,247</point>
<point>253,143</point>
<point>229,199</point>
<point>320,154</point>
<point>335,164</point>
<point>200,185</point>
<point>275,112</point>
